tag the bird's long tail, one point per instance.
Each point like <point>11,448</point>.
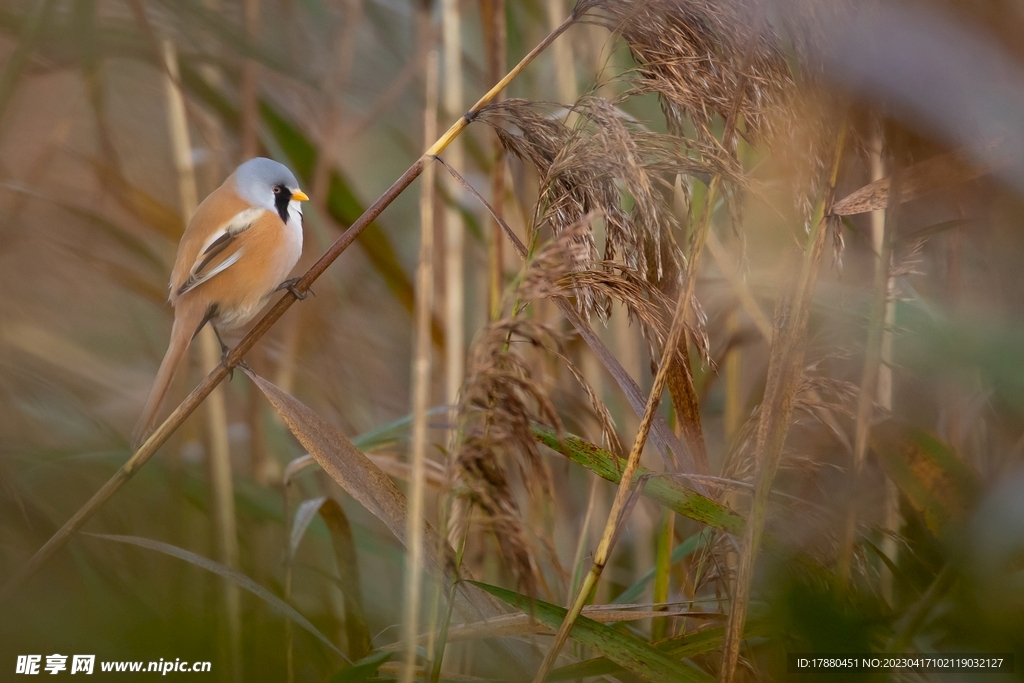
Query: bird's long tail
<point>187,319</point>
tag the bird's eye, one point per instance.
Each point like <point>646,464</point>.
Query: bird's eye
<point>277,189</point>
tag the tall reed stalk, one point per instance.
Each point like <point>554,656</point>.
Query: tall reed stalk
<point>454,267</point>
<point>495,38</point>
<point>881,244</point>
<point>878,342</point>
<point>218,454</point>
<point>662,570</point>
<point>249,90</point>
<point>420,385</point>
<point>785,364</point>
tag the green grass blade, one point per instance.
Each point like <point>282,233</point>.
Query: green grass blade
<point>364,669</point>
<point>626,650</point>
<point>688,645</point>
<point>684,549</point>
<point>391,433</point>
<point>661,490</point>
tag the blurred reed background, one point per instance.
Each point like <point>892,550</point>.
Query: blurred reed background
<point>832,191</point>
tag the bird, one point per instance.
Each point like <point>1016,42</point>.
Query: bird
<point>237,249</point>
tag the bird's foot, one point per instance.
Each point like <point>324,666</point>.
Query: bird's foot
<point>231,368</point>
<point>290,286</point>
<point>225,351</point>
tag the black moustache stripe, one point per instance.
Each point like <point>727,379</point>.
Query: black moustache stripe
<point>281,200</point>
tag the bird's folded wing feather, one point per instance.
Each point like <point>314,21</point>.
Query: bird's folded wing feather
<point>221,250</point>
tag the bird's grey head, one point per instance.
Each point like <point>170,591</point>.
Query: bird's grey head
<point>264,182</point>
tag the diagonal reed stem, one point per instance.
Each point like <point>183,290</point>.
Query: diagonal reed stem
<point>671,348</point>
<point>604,548</point>
<point>199,394</point>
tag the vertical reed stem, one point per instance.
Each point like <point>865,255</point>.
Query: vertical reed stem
<point>455,301</point>
<point>561,53</point>
<point>663,571</point>
<point>420,384</point>
<point>219,456</point>
<point>289,642</point>
<point>891,512</point>
<point>249,85</point>
<point>784,370</point>
<point>496,38</point>
<point>873,348</point>
<point>451,24</point>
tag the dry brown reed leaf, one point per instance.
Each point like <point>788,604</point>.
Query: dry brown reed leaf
<point>512,625</point>
<point>370,487</point>
<point>942,172</point>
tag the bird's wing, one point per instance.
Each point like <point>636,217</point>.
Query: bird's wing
<point>221,250</point>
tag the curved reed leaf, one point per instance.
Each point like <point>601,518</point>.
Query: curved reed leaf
<point>272,601</point>
<point>363,669</point>
<point>659,489</point>
<point>688,645</point>
<point>624,649</point>
<point>939,485</point>
<point>684,549</point>
<point>304,515</point>
<point>358,634</point>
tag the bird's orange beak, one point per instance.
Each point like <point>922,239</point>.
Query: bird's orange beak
<point>300,195</point>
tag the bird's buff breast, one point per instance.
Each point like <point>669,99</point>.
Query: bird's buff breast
<point>244,292</point>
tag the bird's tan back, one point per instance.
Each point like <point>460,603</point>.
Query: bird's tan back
<point>219,207</point>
